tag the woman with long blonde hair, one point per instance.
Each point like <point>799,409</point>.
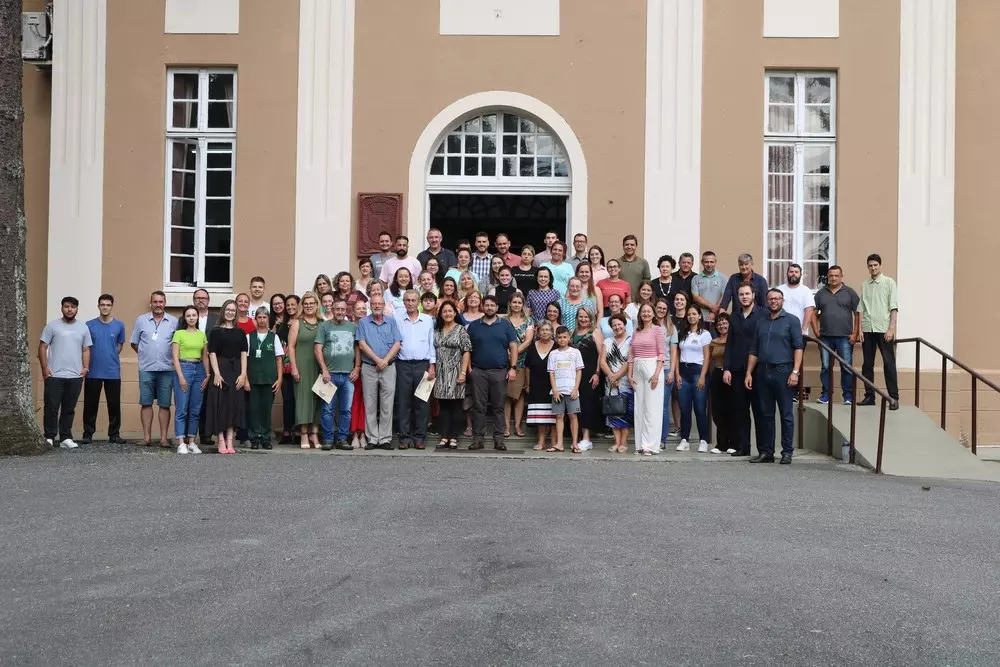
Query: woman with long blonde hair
<point>305,369</point>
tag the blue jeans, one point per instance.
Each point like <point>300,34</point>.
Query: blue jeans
<point>691,395</point>
<point>155,386</point>
<point>842,346</point>
<point>341,402</point>
<point>668,390</point>
<point>772,387</point>
<point>188,402</point>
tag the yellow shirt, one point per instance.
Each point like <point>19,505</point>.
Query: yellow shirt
<point>190,343</point>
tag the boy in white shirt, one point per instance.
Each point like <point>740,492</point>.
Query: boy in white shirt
<point>565,373</point>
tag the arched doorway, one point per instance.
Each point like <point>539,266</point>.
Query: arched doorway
<point>498,172</point>
<point>497,161</point>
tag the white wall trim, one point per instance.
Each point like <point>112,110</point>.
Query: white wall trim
<point>672,221</point>
<point>801,18</point>
<point>502,100</point>
<point>202,17</point>
<point>76,172</point>
<point>323,201</point>
<point>926,222</point>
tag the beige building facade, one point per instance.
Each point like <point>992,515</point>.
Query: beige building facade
<point>174,143</point>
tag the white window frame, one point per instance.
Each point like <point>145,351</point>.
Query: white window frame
<point>203,135</point>
<point>800,139</point>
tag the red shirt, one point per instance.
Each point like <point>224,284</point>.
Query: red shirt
<point>248,327</point>
<point>511,259</point>
<point>619,287</point>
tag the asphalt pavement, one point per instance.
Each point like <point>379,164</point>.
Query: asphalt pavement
<point>117,556</point>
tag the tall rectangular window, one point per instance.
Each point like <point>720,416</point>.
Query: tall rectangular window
<point>201,142</point>
<point>800,149</point>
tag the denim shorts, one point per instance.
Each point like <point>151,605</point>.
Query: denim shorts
<point>158,385</point>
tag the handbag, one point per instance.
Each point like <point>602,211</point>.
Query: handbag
<point>614,405</point>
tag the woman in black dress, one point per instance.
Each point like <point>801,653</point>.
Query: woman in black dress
<point>227,351</point>
<point>588,339</point>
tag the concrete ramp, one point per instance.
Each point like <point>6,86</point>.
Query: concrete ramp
<point>915,446</point>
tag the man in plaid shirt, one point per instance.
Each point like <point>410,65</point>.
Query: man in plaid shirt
<point>481,259</point>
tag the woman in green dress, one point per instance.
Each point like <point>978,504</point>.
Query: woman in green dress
<point>305,370</point>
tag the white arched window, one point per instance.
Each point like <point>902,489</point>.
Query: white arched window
<point>500,151</point>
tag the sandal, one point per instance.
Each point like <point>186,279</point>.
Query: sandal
<point>519,430</point>
<point>538,448</point>
<point>453,444</point>
<point>577,450</point>
<point>467,432</point>
<point>555,449</point>
<point>443,444</point>
<point>506,433</point>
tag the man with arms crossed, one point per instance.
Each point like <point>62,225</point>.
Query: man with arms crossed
<point>798,298</point>
<point>777,350</point>
<point>108,336</point>
<point>64,357</point>
<point>878,306</point>
<point>151,339</point>
<point>837,323</point>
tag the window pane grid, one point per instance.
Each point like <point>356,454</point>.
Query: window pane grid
<point>799,174</point>
<point>515,147</point>
<point>201,176</point>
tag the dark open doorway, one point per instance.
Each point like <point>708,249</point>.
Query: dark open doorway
<point>524,218</point>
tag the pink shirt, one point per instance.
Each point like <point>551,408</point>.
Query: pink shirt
<point>648,344</point>
<point>511,259</point>
<point>392,265</point>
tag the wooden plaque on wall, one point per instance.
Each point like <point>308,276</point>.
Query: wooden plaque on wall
<point>377,212</point>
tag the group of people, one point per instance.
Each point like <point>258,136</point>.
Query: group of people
<point>450,341</point>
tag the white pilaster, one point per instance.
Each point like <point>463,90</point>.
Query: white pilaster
<point>325,124</point>
<point>76,172</point>
<point>673,127</point>
<point>926,224</point>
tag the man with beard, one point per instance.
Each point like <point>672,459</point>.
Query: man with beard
<point>494,360</point>
<point>798,298</point>
<point>64,357</point>
<point>401,260</point>
<point>384,254</point>
<point>742,328</point>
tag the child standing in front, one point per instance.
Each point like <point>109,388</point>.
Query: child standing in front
<point>265,368</point>
<point>565,373</point>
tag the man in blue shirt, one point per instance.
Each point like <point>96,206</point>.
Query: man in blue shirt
<point>494,362</point>
<point>745,275</point>
<point>108,335</point>
<point>151,340</point>
<point>379,341</point>
<point>416,356</point>
<point>777,350</point>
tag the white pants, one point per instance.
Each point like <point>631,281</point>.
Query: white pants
<point>648,407</point>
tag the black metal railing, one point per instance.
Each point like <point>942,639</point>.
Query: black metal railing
<point>945,358</point>
<point>855,376</point>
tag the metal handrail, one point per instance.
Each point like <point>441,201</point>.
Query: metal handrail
<point>887,400</point>
<point>945,358</point>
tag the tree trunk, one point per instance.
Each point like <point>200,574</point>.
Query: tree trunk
<point>19,432</point>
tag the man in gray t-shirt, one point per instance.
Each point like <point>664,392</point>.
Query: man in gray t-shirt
<point>64,357</point>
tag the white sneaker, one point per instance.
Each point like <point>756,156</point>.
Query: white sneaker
<point>730,451</point>
<point>683,447</point>
<point>49,440</point>
<point>702,447</point>
<point>68,444</point>
<point>584,445</point>
<point>715,450</point>
<point>182,448</point>
<point>194,449</point>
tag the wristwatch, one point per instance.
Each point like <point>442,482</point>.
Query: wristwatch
<point>795,372</point>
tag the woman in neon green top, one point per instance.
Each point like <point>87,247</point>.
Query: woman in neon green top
<point>190,350</point>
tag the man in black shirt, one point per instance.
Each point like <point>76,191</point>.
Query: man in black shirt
<point>777,350</point>
<point>684,274</point>
<point>742,326</point>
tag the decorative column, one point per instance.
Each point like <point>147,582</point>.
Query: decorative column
<point>926,223</point>
<point>325,125</point>
<point>673,126</point>
<point>76,158</point>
